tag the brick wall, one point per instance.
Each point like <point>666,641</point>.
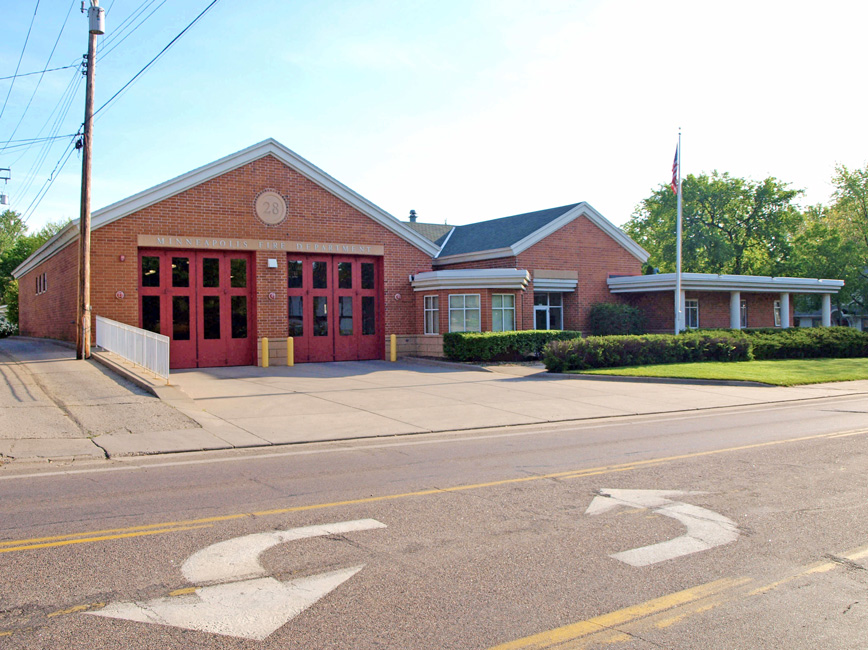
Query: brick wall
<point>223,208</point>
<point>52,313</point>
<point>659,307</point>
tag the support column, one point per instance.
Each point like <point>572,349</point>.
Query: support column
<point>827,310</point>
<point>785,311</point>
<point>735,310</point>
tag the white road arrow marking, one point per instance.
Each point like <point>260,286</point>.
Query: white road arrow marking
<point>240,599</point>
<point>705,528</point>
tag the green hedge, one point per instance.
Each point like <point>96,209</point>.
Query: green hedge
<point>501,346</point>
<point>615,351</point>
<point>706,345</point>
<point>609,318</point>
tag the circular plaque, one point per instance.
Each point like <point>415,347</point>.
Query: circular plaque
<point>270,207</point>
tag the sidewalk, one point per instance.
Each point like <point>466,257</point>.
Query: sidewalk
<point>54,407</point>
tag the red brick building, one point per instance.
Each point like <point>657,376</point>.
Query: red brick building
<point>263,244</point>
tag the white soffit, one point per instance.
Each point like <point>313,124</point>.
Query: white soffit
<point>514,279</point>
<point>53,246</point>
<point>555,284</point>
<point>583,209</point>
<point>712,282</point>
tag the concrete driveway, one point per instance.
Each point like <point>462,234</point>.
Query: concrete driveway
<point>85,410</point>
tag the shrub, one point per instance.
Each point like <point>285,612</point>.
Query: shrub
<point>500,346</point>
<point>615,351</point>
<point>7,328</point>
<point>810,343</point>
<point>606,319</point>
<point>10,299</point>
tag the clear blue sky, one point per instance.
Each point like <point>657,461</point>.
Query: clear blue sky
<point>462,110</point>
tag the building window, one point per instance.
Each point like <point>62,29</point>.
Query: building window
<point>502,312</point>
<point>743,316</point>
<point>691,314</point>
<point>548,311</point>
<point>432,315</point>
<point>464,313</point>
<point>41,283</point>
<point>777,313</point>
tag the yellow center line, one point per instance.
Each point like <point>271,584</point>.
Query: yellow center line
<point>73,610</point>
<point>605,622</point>
<point>86,540</point>
<point>137,531</point>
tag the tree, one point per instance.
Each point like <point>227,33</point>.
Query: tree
<point>22,246</point>
<point>822,250</point>
<point>11,228</point>
<point>730,225</point>
<point>848,215</point>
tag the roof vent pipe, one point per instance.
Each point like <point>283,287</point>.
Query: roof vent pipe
<point>412,216</point>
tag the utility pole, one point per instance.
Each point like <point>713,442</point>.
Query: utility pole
<point>96,23</point>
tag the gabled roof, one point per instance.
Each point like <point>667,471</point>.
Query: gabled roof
<point>510,236</point>
<point>191,179</point>
<point>433,231</point>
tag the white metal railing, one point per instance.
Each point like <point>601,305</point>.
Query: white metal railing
<point>143,348</point>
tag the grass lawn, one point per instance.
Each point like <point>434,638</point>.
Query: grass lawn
<point>786,372</point>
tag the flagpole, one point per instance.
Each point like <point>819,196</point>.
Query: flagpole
<point>679,304</point>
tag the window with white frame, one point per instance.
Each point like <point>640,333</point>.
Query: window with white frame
<point>777,313</point>
<point>41,283</point>
<point>691,314</point>
<point>502,312</point>
<point>548,311</point>
<point>743,316</point>
<point>432,315</point>
<point>464,313</point>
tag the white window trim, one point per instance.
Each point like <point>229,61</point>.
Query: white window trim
<point>464,311</point>
<point>691,304</point>
<point>503,311</point>
<point>435,311</point>
<point>777,313</point>
<point>742,313</point>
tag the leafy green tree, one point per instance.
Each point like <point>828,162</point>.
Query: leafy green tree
<point>848,215</point>
<point>730,225</point>
<point>22,247</point>
<point>11,228</point>
<point>822,250</point>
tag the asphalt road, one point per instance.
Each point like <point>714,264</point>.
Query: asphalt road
<point>472,540</point>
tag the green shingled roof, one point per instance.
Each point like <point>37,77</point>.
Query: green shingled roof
<point>498,233</point>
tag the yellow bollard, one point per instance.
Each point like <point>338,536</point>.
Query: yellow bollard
<point>394,345</point>
<point>290,351</point>
<point>264,352</point>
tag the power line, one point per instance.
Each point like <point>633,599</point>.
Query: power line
<point>18,67</point>
<point>61,163</point>
<point>152,61</point>
<point>30,74</point>
<point>38,83</point>
<point>126,36</point>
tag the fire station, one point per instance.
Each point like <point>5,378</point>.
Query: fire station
<point>263,244</point>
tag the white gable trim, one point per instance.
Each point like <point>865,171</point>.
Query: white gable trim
<point>163,191</point>
<point>233,161</point>
<point>583,209</point>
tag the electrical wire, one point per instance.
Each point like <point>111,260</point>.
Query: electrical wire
<point>30,74</point>
<point>104,54</point>
<point>18,67</point>
<point>40,195</point>
<point>38,83</point>
<point>152,61</point>
<point>125,24</point>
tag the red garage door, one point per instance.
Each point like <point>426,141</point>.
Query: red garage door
<point>203,301</point>
<point>335,305</point>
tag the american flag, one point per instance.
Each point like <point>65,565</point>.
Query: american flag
<point>674,184</point>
